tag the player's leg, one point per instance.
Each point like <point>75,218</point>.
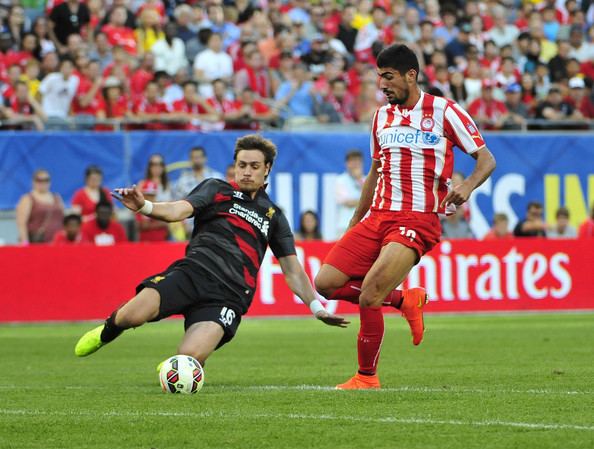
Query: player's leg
<point>389,270</point>
<point>201,339</point>
<point>140,309</point>
<point>157,297</point>
<point>332,283</point>
<point>208,327</point>
<point>347,263</point>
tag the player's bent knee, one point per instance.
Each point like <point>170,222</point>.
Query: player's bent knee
<point>199,355</point>
<point>324,285</point>
<point>370,298</point>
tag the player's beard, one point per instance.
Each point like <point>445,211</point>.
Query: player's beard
<point>400,100</point>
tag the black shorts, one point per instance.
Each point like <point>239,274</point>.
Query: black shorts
<point>179,295</point>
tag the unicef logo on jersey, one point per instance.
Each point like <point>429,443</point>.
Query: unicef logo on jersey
<point>430,138</point>
<point>403,136</point>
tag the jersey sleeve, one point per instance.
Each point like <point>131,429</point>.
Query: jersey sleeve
<point>461,129</point>
<point>202,195</point>
<point>374,146</point>
<point>282,242</point>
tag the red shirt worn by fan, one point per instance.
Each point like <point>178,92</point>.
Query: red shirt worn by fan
<point>114,233</point>
<point>152,235</point>
<point>60,239</point>
<point>86,204</point>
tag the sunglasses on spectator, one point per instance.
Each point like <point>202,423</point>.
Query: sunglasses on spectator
<point>42,179</point>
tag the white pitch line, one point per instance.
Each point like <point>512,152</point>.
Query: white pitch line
<point>325,388</point>
<point>295,416</point>
<point>408,389</point>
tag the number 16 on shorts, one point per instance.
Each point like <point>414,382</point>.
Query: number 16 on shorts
<point>227,316</point>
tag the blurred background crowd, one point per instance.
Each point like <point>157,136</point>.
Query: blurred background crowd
<point>41,215</point>
<point>252,64</point>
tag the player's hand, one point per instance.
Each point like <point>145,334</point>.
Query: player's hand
<point>131,197</point>
<point>332,320</point>
<point>458,195</point>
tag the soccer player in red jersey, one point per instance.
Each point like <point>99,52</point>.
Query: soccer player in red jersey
<point>396,221</point>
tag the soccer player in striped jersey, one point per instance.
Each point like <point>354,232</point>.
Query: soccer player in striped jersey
<point>396,221</point>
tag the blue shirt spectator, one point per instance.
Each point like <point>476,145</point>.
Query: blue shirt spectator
<point>295,97</point>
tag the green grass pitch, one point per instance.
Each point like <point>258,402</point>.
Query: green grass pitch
<point>503,381</point>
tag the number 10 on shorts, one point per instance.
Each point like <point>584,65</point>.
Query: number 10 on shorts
<point>408,233</point>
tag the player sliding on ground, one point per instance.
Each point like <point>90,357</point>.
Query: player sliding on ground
<point>213,285</point>
<point>396,221</point>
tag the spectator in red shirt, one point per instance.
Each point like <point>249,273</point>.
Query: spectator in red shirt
<point>223,105</point>
<point>116,102</point>
<point>117,33</point>
<point>24,109</point>
<point>192,109</point>
<point>488,112</point>
<point>71,234</point>
<point>491,60</point>
<point>29,49</point>
<point>88,103</point>
<point>104,229</point>
<point>500,229</point>
<point>13,75</point>
<point>339,105</point>
<point>86,198</point>
<point>149,108</point>
<point>252,112</point>
<point>119,66</point>
<point>150,229</point>
<point>578,97</point>
<point>355,74</point>
<point>141,77</point>
<point>254,75</point>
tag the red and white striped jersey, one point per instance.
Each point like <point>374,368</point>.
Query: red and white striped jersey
<point>415,149</point>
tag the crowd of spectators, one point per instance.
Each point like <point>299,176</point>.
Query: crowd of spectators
<point>244,64</point>
<point>42,217</point>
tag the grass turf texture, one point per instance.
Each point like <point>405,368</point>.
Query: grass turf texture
<point>516,381</point>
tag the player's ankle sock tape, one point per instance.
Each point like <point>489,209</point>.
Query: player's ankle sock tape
<point>348,292</point>
<point>110,330</point>
<point>394,299</point>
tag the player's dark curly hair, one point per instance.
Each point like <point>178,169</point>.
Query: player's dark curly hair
<point>256,142</point>
<point>398,57</point>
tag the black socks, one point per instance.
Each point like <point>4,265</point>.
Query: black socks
<point>111,331</point>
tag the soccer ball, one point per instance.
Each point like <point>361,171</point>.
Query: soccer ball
<point>181,374</point>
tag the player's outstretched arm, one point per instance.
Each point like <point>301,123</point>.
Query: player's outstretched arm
<point>485,164</point>
<point>169,211</point>
<point>366,193</point>
<point>299,284</point>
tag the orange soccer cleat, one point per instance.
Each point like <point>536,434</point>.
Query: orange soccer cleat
<point>360,382</point>
<point>414,299</point>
